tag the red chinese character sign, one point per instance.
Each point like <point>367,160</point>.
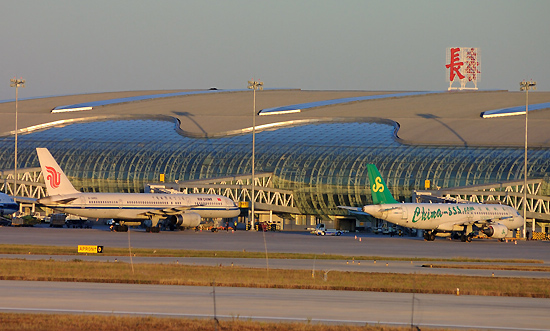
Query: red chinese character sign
<point>463,65</point>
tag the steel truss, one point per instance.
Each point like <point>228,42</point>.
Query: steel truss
<point>238,189</point>
<point>29,183</point>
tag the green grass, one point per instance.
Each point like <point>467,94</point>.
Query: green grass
<point>148,252</point>
<point>175,274</point>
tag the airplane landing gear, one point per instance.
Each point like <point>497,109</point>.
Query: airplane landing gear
<point>119,227</point>
<point>153,229</point>
<point>465,238</point>
<point>429,235</point>
<point>467,234</point>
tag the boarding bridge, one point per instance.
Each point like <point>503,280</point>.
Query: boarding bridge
<point>29,183</point>
<point>509,193</point>
<point>238,189</point>
<point>30,186</point>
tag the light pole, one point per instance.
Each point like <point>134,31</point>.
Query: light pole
<point>16,83</point>
<point>253,85</point>
<point>526,86</point>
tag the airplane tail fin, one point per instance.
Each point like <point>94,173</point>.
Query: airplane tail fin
<point>379,189</point>
<point>56,181</point>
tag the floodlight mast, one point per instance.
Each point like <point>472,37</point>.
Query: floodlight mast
<point>253,85</point>
<point>17,83</point>
<point>526,86</point>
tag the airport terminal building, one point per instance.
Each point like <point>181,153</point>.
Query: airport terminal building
<point>313,145</point>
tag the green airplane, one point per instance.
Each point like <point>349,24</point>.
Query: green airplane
<point>439,219</point>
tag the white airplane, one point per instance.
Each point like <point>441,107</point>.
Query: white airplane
<point>182,210</point>
<point>439,219</point>
<point>7,205</point>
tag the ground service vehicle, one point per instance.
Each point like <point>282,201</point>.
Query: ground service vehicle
<point>321,230</point>
<point>57,220</point>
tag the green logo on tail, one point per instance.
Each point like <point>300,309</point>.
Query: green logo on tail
<point>379,190</point>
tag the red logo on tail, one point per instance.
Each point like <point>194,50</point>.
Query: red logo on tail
<point>54,177</point>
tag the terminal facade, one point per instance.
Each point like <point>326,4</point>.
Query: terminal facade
<point>322,161</point>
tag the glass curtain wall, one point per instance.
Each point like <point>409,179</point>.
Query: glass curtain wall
<point>323,163</point>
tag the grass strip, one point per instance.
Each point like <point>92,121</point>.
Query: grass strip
<point>149,252</point>
<point>63,322</point>
<point>176,274</point>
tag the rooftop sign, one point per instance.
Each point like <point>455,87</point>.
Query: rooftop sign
<point>463,64</point>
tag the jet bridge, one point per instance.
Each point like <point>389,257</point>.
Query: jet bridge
<point>27,189</point>
<point>29,183</point>
<point>238,188</point>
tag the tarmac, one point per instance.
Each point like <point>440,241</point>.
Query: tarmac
<point>281,305</point>
<point>350,244</point>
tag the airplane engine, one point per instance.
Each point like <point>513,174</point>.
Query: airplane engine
<point>188,220</point>
<point>498,231</point>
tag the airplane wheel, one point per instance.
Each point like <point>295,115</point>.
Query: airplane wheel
<point>469,239</point>
<point>463,238</point>
<point>429,236</point>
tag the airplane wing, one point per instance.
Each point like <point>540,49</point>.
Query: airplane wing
<point>359,210</point>
<point>25,199</point>
<point>492,221</point>
<point>354,209</point>
<point>450,225</point>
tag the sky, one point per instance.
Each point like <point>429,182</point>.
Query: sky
<point>71,47</point>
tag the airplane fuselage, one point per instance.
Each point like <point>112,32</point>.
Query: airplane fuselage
<point>444,216</point>
<point>136,206</point>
